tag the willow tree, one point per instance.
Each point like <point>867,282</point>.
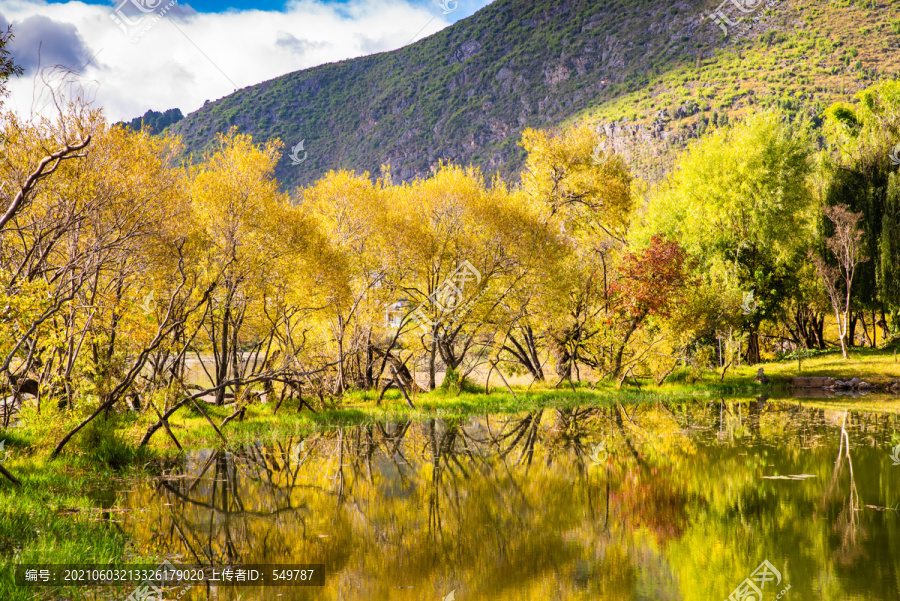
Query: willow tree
<point>861,141</point>
<point>451,247</point>
<point>739,201</point>
<point>349,210</point>
<point>235,202</point>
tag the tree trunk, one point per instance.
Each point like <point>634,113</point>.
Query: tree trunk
<point>431,358</point>
<point>532,349</point>
<point>339,383</point>
<point>448,356</point>
<point>819,331</point>
<point>237,370</point>
<point>221,359</point>
<point>368,378</point>
<point>617,365</point>
<point>526,352</point>
<point>842,332</point>
<point>753,355</point>
<point>885,331</point>
<point>865,328</point>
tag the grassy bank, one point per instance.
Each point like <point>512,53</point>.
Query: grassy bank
<point>192,429</point>
<point>872,365</point>
<point>61,513</point>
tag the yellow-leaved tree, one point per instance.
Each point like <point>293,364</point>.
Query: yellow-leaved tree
<point>585,195</point>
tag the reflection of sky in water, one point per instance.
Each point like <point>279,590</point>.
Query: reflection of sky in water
<point>688,500</point>
<point>391,482</point>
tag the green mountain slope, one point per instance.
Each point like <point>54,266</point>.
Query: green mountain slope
<point>651,74</point>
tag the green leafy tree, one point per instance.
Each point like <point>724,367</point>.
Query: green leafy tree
<point>7,67</point>
<point>859,172</point>
<point>739,201</point>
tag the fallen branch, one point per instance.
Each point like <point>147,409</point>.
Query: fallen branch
<point>402,389</point>
<point>500,373</point>
<point>9,476</point>
<point>206,415</point>
<point>151,430</point>
<point>165,423</point>
<point>722,377</point>
<point>668,373</point>
<point>239,412</point>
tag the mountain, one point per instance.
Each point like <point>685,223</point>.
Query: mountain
<point>155,120</point>
<point>651,75</point>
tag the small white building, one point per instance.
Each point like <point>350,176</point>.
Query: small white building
<point>394,313</point>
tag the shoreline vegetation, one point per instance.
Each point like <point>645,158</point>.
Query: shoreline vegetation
<point>123,267</point>
<point>152,303</point>
<point>60,513</point>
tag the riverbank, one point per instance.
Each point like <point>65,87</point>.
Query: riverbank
<point>114,442</point>
<point>59,514</point>
<point>63,513</point>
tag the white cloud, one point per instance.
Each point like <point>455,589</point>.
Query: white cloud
<point>183,59</point>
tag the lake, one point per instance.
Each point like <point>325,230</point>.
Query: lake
<point>686,500</point>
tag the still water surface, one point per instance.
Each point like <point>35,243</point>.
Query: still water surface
<point>651,502</point>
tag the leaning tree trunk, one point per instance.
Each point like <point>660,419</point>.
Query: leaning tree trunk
<point>532,351</point>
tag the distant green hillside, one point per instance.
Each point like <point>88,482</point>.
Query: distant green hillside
<point>661,71</point>
<point>155,121</point>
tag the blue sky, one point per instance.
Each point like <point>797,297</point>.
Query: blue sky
<point>130,56</point>
<point>215,6</point>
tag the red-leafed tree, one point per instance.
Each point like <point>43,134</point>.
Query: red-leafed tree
<point>648,283</point>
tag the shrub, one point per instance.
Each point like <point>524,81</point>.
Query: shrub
<point>101,442</point>
<point>454,382</point>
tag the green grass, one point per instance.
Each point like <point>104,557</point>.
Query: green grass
<point>872,365</point>
<point>54,518</point>
<point>192,430</point>
<point>358,407</point>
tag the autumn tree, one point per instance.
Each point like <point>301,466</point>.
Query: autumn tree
<point>40,272</point>
<point>585,195</point>
<point>349,210</point>
<point>233,196</point>
<point>649,282</point>
<point>434,228</point>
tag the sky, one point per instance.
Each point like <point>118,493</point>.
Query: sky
<point>130,56</point>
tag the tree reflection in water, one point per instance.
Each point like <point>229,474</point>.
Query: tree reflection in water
<point>684,502</point>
